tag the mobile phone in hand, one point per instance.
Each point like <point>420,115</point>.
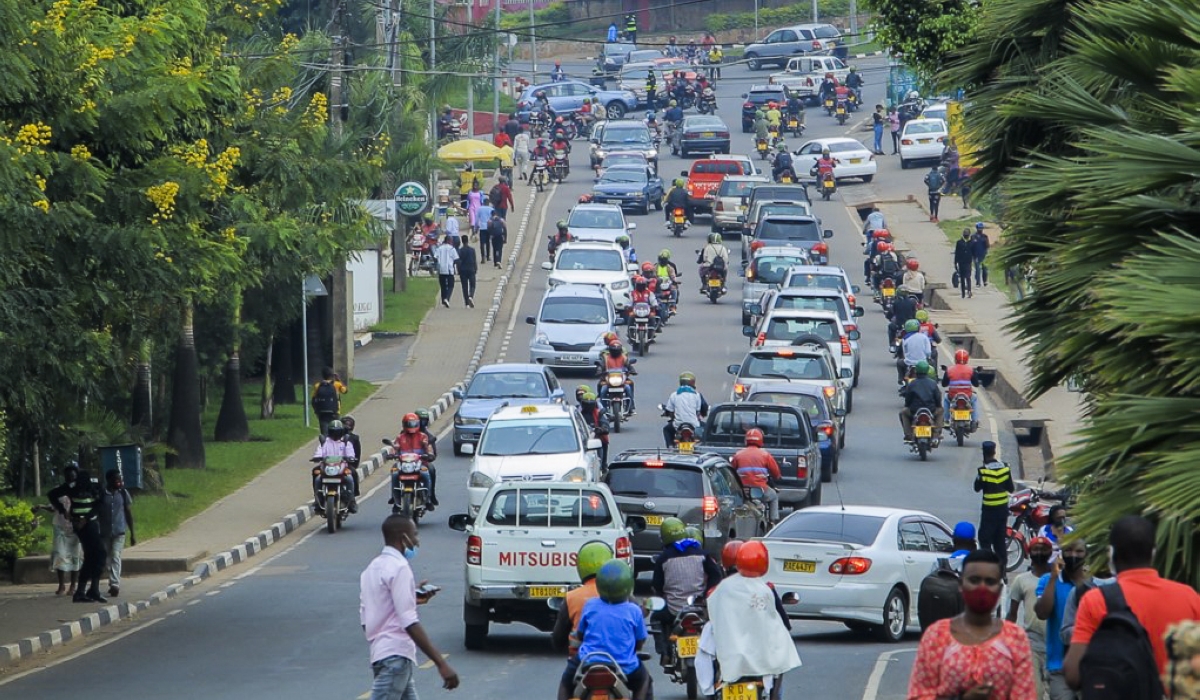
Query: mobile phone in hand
<point>428,590</point>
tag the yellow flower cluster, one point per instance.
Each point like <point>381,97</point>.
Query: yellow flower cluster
<point>219,170</point>
<point>81,153</point>
<point>95,56</point>
<point>86,106</point>
<point>280,98</point>
<point>182,67</point>
<point>255,9</point>
<point>317,113</point>
<point>163,197</point>
<point>127,44</point>
<point>40,182</point>
<point>54,18</point>
<point>43,204</point>
<point>376,151</point>
<point>289,42</point>
<point>195,155</point>
<point>163,256</point>
<point>229,234</point>
<point>33,136</point>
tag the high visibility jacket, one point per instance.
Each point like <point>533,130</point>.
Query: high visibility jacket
<point>960,379</point>
<point>994,481</point>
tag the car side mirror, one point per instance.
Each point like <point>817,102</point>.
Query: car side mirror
<point>635,523</point>
<point>839,412</point>
<point>547,265</point>
<point>789,598</point>
<point>855,288</point>
<point>460,522</point>
<point>530,320</point>
<point>828,233</point>
<point>859,311</point>
<point>854,335</point>
<point>632,267</point>
<point>467,448</point>
<point>756,309</point>
<point>458,394</point>
<point>631,227</point>
<point>741,219</point>
<point>844,374</point>
<point>619,321</point>
<point>733,369</point>
<point>748,331</point>
<point>594,444</point>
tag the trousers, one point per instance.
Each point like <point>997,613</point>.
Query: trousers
<point>446,282</point>
<point>993,524</point>
<point>468,285</point>
<point>94,556</point>
<point>393,679</point>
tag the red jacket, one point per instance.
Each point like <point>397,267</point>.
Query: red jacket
<point>960,379</point>
<point>754,465</point>
<point>506,198</point>
<point>412,442</point>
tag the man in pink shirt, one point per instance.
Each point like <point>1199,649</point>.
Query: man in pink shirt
<point>388,601</point>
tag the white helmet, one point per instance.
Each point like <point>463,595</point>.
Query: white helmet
<point>914,95</point>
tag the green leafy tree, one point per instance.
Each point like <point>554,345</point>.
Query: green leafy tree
<point>926,32</point>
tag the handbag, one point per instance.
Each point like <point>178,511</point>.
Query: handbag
<point>954,279</point>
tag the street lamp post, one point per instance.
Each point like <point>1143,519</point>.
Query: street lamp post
<point>756,20</point>
<point>310,287</point>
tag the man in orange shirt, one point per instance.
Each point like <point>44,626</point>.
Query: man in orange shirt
<point>588,561</point>
<point>756,467</point>
<point>1157,602</point>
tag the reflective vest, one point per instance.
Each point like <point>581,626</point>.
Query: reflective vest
<point>960,377</point>
<point>995,478</point>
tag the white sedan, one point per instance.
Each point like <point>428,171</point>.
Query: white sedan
<point>860,565</point>
<point>922,139</point>
<point>853,158</point>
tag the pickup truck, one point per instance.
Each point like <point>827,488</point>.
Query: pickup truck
<point>803,75</point>
<point>788,436</point>
<point>705,177</point>
<point>522,545</point>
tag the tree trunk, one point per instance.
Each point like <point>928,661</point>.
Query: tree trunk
<point>142,417</point>
<point>283,366</point>
<point>184,433</point>
<point>232,424</point>
<point>266,397</point>
<point>315,344</point>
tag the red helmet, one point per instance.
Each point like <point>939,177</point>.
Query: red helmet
<point>648,268</point>
<point>883,247</point>
<point>729,553</point>
<point>752,559</point>
<point>961,357</point>
<point>913,264</point>
<point>411,423</point>
<point>754,436</point>
<point>820,248</point>
<point>881,233</point>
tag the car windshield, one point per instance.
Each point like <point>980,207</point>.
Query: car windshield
<point>925,126</point>
<point>774,423</point>
<point>808,303</point>
<point>664,482</point>
<point>761,97</point>
<point>807,403</point>
<point>736,188</point>
<point>644,55</point>
<point>779,367</point>
<point>528,437</point>
<point>626,137</point>
<point>845,146</point>
<point>818,281</point>
<point>846,528</point>
<point>575,310</point>
<point>622,176</point>
<point>783,229</point>
<point>791,208</point>
<point>704,123</point>
<point>771,269</point>
<point>542,507</point>
<point>826,32</point>
<point>618,49</point>
<point>792,328</point>
<point>581,259</point>
<point>596,218</point>
<point>503,385</point>
<point>624,159</point>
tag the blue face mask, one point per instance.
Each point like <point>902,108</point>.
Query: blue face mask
<point>411,554</point>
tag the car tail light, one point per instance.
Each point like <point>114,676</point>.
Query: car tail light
<point>748,105</point>
<point>850,566</point>
<point>906,142</point>
<point>785,353</point>
<point>802,467</point>
<point>816,45</point>
<point>720,205</point>
<point>830,391</point>
<point>851,327</point>
<point>750,274</point>
<point>762,338</point>
<point>475,550</point>
<point>739,389</point>
<point>690,135</point>
<point>846,345</point>
<point>710,507</point>
<point>624,548</point>
<point>826,429</point>
<point>725,135</point>
<point>850,298</point>
<point>654,463</point>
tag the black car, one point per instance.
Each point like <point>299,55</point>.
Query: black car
<point>758,96</point>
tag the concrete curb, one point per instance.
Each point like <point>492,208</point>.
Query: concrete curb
<point>58,636</point>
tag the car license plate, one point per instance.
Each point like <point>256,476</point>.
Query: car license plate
<point>714,283</point>
<point>800,567</point>
<point>889,291</point>
<point>924,140</point>
<point>923,431</point>
<point>687,447</point>
<point>708,134</point>
<point>740,691</point>
<point>547,591</point>
<point>962,415</point>
<point>856,160</point>
<point>654,519</point>
<point>573,358</point>
<point>687,646</point>
<point>742,207</point>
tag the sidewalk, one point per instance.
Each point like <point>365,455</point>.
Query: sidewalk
<point>978,324</point>
<point>447,348</point>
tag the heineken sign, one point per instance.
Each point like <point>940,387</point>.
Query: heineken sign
<point>412,198</point>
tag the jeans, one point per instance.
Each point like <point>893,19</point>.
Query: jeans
<point>393,679</point>
<point>497,249</point>
<point>115,545</point>
<point>993,523</point>
<point>446,282</point>
<point>879,138</point>
<point>468,285</point>
<point>964,279</point>
<point>980,271</point>
<point>1059,690</point>
<point>974,405</point>
<point>485,244</point>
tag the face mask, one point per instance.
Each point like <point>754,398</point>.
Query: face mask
<point>1072,563</point>
<point>411,553</point>
<point>981,599</point>
<point>1040,559</point>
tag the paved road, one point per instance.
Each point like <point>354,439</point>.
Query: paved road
<point>288,627</point>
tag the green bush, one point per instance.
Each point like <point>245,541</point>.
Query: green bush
<point>770,18</point>
<point>554,13</point>
<point>18,529</point>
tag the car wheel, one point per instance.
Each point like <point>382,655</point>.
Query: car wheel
<point>658,203</point>
<point>849,402</point>
<point>745,319</point>
<point>868,178</point>
<point>903,164</point>
<point>645,209</point>
<point>895,618</point>
<point>841,445</point>
<point>616,110</point>
<point>683,152</point>
<point>857,374</point>
<point>827,469</point>
<point>458,446</point>
<point>475,636</point>
<point>752,62</point>
<point>814,496</point>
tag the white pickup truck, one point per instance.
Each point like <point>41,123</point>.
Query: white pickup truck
<point>521,549</point>
<point>804,74</point>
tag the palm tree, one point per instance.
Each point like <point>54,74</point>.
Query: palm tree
<point>1099,153</point>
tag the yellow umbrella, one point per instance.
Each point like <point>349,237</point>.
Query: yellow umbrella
<point>465,150</point>
<point>506,156</point>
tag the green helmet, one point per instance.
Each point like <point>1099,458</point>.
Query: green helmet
<point>561,225</point>
<point>664,254</point>
<point>614,581</point>
<point>922,368</point>
<point>589,396</point>
<point>687,379</point>
<point>781,147</point>
<point>932,371</point>
<point>679,182</point>
<point>922,316</point>
<point>673,103</point>
<point>671,530</point>
<point>623,241</point>
<point>714,238</point>
<point>694,532</point>
<point>422,414</point>
<point>912,326</point>
<point>591,557</point>
<point>853,69</point>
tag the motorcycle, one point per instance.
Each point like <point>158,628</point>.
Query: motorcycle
<point>853,101</point>
<point>960,414</point>
<point>541,173</point>
<point>410,497</point>
<point>685,438</point>
<point>786,176</point>
<point>842,112</point>
<point>583,127</point>
<point>887,294</point>
<point>714,286</point>
<point>668,298</point>
<point>826,182</point>
<point>829,104</point>
<point>794,124</point>
<point>562,165</point>
<point>708,102</point>
<point>615,400</point>
<point>679,663</point>
<point>923,433</point>
<point>419,256</point>
<point>764,148</point>
<point>1030,512</point>
<point>333,497</point>
<point>819,255</point>
<point>641,327</point>
<point>599,677</point>
<point>679,222</point>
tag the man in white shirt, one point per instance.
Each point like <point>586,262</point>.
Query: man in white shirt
<point>451,227</point>
<point>446,256</point>
<point>387,609</point>
<point>686,405</point>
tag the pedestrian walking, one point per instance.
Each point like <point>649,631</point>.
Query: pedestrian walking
<point>994,480</point>
<point>67,556</point>
<point>326,399</point>
<point>878,119</point>
<point>521,154</point>
<point>512,127</point>
<point>975,655</point>
<point>116,519</point>
<point>451,227</point>
<point>468,180</point>
<point>485,239</point>
<point>979,250</point>
<point>474,201</point>
<point>631,27</point>
<point>1053,590</point>
<point>387,609</point>
<point>468,265</point>
<point>482,215</point>
<point>499,231</point>
<point>651,90</point>
<point>1022,599</point>
<point>447,257</point>
<point>964,258</point>
<point>501,196</point>
<point>611,37</point>
<point>893,119</point>
<point>84,514</point>
<point>933,183</point>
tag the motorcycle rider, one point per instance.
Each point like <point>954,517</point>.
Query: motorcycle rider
<point>542,108</point>
<point>761,132</point>
<point>922,392</point>
<point>828,85</point>
<point>446,122</point>
<point>592,555</point>
<point>612,359</point>
<point>774,118</point>
<point>654,127</point>
<point>756,468</point>
<point>665,267</point>
<point>677,198</point>
<point>823,165</point>
<point>641,293</point>
<point>611,627</point>
<point>597,420</point>
<point>716,256</point>
<point>335,445</point>
<point>874,222</point>
<point>673,115</point>
<point>539,151</point>
<point>682,570</point>
<point>874,238</point>
<point>561,235</point>
<point>795,108</point>
<point>630,253</point>
<point>929,328</point>
<point>885,264</point>
<point>915,348</point>
<point>560,141</point>
<point>412,440</point>
<point>914,280</point>
<point>854,81</point>
<point>355,442</point>
<point>783,163</point>
<point>961,378</point>
<point>904,309</point>
<point>686,405</point>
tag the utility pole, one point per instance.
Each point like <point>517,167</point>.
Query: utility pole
<point>814,3</point>
<point>340,306</point>
<point>533,42</point>
<point>432,36</point>
<point>854,21</point>
<point>496,75</point>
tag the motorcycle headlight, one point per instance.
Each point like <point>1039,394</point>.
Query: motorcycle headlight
<point>576,474</point>
<point>615,379</point>
<point>623,284</point>
<point>541,339</point>
<point>333,470</point>
<point>480,480</point>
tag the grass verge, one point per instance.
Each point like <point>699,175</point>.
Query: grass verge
<point>403,311</point>
<point>953,230</point>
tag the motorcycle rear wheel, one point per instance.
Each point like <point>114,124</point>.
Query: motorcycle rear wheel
<point>689,679</point>
<point>1015,554</point>
<point>616,420</point>
<point>923,450</point>
<point>406,505</point>
<point>959,436</point>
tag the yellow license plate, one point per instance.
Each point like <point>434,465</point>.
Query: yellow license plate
<point>841,110</point>
<point>762,146</point>
<point>687,446</point>
<point>708,134</point>
<point>740,691</point>
<point>680,219</point>
<point>800,567</point>
<point>923,431</point>
<point>714,283</point>
<point>742,207</point>
<point>856,160</point>
<point>687,647</point>
<point>962,415</point>
<point>924,140</point>
<point>654,519</point>
<point>889,291</point>
<point>547,591</point>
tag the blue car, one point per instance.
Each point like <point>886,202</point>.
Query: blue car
<point>825,419</point>
<point>630,187</point>
<point>566,98</point>
<point>494,386</point>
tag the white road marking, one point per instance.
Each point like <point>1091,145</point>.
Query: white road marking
<point>871,692</point>
<point>81,652</point>
<point>429,664</point>
<point>526,274</point>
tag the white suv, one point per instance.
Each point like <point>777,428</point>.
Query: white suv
<point>534,442</point>
<point>595,263</point>
<point>783,327</point>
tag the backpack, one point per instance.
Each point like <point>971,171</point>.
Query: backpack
<point>326,399</point>
<point>718,263</point>
<point>1119,662</point>
<point>888,264</point>
<point>940,596</point>
<point>494,196</point>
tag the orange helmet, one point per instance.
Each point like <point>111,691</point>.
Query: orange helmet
<point>913,264</point>
<point>752,559</point>
<point>754,436</point>
<point>648,268</point>
<point>961,357</point>
<point>729,554</point>
<point>883,247</point>
<point>881,233</point>
<point>411,423</point>
<point>611,337</point>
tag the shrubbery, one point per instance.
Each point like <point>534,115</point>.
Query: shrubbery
<point>555,12</point>
<point>770,18</point>
<point>18,530</point>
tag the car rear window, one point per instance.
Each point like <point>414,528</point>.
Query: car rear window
<point>817,281</point>
<point>596,218</point>
<point>761,97</point>
<point>543,507</point>
<point>813,406</point>
<point>925,126</point>
<point>585,259</point>
<point>499,385</point>
<point>827,31</point>
<point>735,188</point>
<point>717,168</point>
<point>780,229</point>
<point>792,328</point>
<point>785,368</point>
<point>829,527</point>
<point>844,146</point>
<point>640,481</point>
<point>771,269</point>
<point>779,427</point>
<point>809,304</point>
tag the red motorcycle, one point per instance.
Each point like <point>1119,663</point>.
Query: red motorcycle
<point>1030,510</point>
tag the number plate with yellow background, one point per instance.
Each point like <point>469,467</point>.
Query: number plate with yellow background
<point>680,219</point>
<point>740,691</point>
<point>687,647</point>
<point>962,415</point>
<point>687,447</point>
<point>802,567</point>
<point>856,160</point>
<point>889,291</point>
<point>654,519</point>
<point>547,591</point>
<point>714,283</point>
<point>707,134</point>
<point>923,431</point>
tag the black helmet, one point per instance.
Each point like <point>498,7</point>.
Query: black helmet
<point>337,430</point>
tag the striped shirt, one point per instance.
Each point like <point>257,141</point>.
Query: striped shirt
<point>994,480</point>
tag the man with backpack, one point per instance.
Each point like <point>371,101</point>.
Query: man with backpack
<point>1117,650</point>
<point>1053,590</point>
<point>326,398</point>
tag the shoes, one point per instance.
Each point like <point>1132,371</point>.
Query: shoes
<point>80,598</point>
<point>497,266</point>
<point>62,588</point>
<point>470,302</point>
<point>95,597</point>
<point>430,507</point>
<point>445,303</point>
<point>391,501</point>
<point>934,219</point>
<point>353,506</point>
<point>434,501</point>
<point>114,591</point>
